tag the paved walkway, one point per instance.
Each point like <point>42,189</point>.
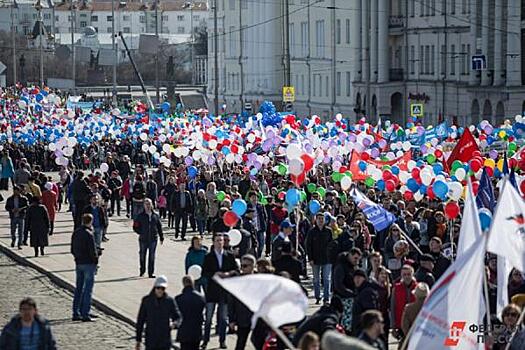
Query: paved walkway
<point>118,285</point>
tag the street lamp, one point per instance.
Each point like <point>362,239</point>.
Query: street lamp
<point>41,31</point>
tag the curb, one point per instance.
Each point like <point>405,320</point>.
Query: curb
<point>62,283</point>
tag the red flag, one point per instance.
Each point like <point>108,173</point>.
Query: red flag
<point>464,149</point>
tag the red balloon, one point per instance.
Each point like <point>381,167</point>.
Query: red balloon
<point>308,162</point>
<point>430,193</point>
<point>234,149</point>
<point>390,185</point>
<point>490,171</point>
<point>452,210</point>
<point>387,175</point>
<point>281,195</point>
<point>438,153</point>
<point>343,169</point>
<point>522,187</point>
<point>476,154</point>
<point>230,218</point>
<point>475,165</point>
<point>298,179</point>
<point>513,162</point>
<point>415,173</point>
<point>475,187</point>
<point>408,196</point>
<point>365,156</point>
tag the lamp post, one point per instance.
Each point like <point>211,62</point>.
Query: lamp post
<point>114,45</point>
<point>13,38</point>
<point>40,46</point>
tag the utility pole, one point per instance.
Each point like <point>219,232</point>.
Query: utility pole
<point>334,58</point>
<point>157,92</point>
<point>40,46</point>
<point>216,58</point>
<point>73,54</point>
<point>13,37</point>
<point>286,43</point>
<point>115,57</point>
<point>192,39</point>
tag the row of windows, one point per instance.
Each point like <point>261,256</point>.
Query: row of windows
<point>302,49</point>
<point>321,84</point>
<point>125,18</point>
<point>427,59</point>
<point>429,7</point>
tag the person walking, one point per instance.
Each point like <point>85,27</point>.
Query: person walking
<point>372,323</point>
<point>149,228</point>
<point>412,309</point>
<point>195,256</point>
<point>115,186</point>
<point>181,206</point>
<point>99,218</point>
<point>221,262</point>
<point>8,171</point>
<point>80,193</point>
<point>402,295</point>
<point>317,241</point>
<point>201,211</point>
<point>16,206</point>
<point>37,226</point>
<point>50,201</point>
<point>85,253</point>
<point>27,330</point>
<point>259,221</point>
<point>191,305</point>
<point>159,314</point>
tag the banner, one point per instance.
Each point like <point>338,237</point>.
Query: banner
<point>376,214</point>
<point>464,149</point>
<point>358,175</point>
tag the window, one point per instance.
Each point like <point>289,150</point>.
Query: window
<point>47,16</point>
<point>165,30</point>
<point>109,30</point>
<point>292,39</point>
<point>142,19</point>
<point>464,6</point>
<point>83,24</point>
<point>427,59</point>
<point>452,59</point>
<point>348,84</point>
<point>421,60</point>
<point>164,18</point>
<point>338,84</point>
<point>433,8</point>
<point>233,42</point>
<point>197,18</point>
<point>412,59</point>
<point>463,58</point>
<point>467,61</point>
<point>94,18</point>
<point>304,38</point>
<point>432,59</point>
<point>315,85</point>
<point>412,8</point>
<point>422,6</point>
<point>83,15</point>
<point>127,30</point>
<point>180,18</point>
<point>109,18</point>
<point>348,31</point>
<point>56,18</point>
<point>319,33</point>
<point>125,18</point>
<point>338,31</point>
<point>232,5</point>
<point>25,30</point>
<point>320,85</point>
<point>244,4</point>
<point>327,86</point>
<point>453,7</point>
<point>180,30</point>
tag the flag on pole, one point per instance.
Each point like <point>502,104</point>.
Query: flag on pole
<point>276,299</point>
<point>463,149</point>
<point>470,226</point>
<point>376,214</point>
<point>485,197</point>
<point>452,305</point>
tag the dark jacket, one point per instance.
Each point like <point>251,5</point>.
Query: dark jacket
<point>324,319</point>
<point>289,264</point>
<point>375,344</point>
<point>191,305</point>
<point>277,247</point>
<point>343,277</point>
<point>101,214</point>
<point>441,264</point>
<point>10,337</point>
<point>83,246</point>
<point>37,224</point>
<point>262,218</point>
<point>157,178</point>
<point>195,257</point>
<point>214,292</point>
<point>367,299</point>
<point>317,242</point>
<point>175,202</point>
<point>423,275</point>
<point>80,191</point>
<point>148,229</point>
<point>115,185</point>
<point>156,314</point>
<point>238,313</point>
<point>22,203</point>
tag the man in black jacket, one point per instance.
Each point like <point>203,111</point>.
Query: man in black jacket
<point>424,272</point>
<point>366,299</point>
<point>86,259</point>
<point>287,262</point>
<point>99,218</point>
<point>16,206</point>
<point>149,228</point>
<point>317,242</point>
<point>159,312</point>
<point>21,328</point>
<point>182,206</point>
<point>115,185</point>
<point>259,220</point>
<point>220,262</point>
<point>80,193</point>
<point>191,305</point>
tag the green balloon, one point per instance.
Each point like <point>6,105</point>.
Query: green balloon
<point>322,191</point>
<point>263,201</point>
<point>311,187</point>
<point>343,197</point>
<point>456,165</point>
<point>348,173</point>
<point>513,146</point>
<point>282,169</point>
<point>337,176</point>
<point>221,196</point>
<point>370,182</point>
<point>511,153</point>
<point>431,159</point>
<point>303,196</point>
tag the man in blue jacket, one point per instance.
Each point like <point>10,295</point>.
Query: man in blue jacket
<point>191,305</point>
<point>149,228</point>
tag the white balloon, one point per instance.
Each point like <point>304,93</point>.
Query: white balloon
<point>52,147</point>
<point>296,166</point>
<point>293,151</point>
<point>455,189</point>
<point>212,144</point>
<point>460,174</point>
<point>235,237</point>
<point>346,182</point>
<point>145,148</point>
<point>152,149</point>
<point>195,271</point>
<point>104,167</point>
<point>143,136</point>
<point>406,146</point>
<point>426,177</point>
<point>166,148</point>
<point>418,196</point>
<point>411,165</point>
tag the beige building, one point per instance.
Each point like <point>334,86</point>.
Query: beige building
<point>377,57</point>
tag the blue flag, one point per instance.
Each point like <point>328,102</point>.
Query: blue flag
<point>485,197</point>
<point>376,214</point>
<point>505,164</point>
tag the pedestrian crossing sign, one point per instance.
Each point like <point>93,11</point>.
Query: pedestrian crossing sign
<point>288,94</point>
<point>416,110</point>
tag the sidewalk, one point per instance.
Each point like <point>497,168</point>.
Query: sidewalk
<point>118,287</point>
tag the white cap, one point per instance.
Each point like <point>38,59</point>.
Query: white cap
<point>161,281</point>
<point>48,186</point>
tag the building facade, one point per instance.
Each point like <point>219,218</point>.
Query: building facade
<point>377,57</point>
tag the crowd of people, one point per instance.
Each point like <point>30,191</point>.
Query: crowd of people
<point>267,211</point>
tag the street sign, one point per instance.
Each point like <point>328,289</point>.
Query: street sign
<point>288,94</point>
<point>416,110</point>
<point>2,67</point>
<point>479,62</point>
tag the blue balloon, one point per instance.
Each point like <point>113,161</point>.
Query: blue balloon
<point>314,206</point>
<point>423,189</point>
<point>293,196</point>
<point>412,185</point>
<point>395,170</point>
<point>239,207</point>
<point>380,184</point>
<point>437,168</point>
<point>39,97</point>
<point>165,106</point>
<point>192,172</point>
<point>485,218</point>
<point>362,165</point>
<point>440,189</point>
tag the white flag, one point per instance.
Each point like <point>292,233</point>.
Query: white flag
<point>276,299</point>
<point>453,305</point>
<point>507,233</point>
<point>470,226</point>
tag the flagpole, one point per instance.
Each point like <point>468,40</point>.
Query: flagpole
<point>451,237</point>
<point>486,293</point>
<point>410,241</point>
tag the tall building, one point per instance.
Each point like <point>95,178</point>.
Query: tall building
<point>462,60</point>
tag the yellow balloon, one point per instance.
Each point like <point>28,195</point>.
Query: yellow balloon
<point>502,134</point>
<point>500,165</point>
<point>490,163</point>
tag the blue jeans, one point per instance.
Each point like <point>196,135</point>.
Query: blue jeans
<point>143,249</point>
<point>325,271</point>
<point>260,241</point>
<point>17,224</point>
<point>222,311</point>
<point>201,225</point>
<point>97,231</point>
<point>84,289</point>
